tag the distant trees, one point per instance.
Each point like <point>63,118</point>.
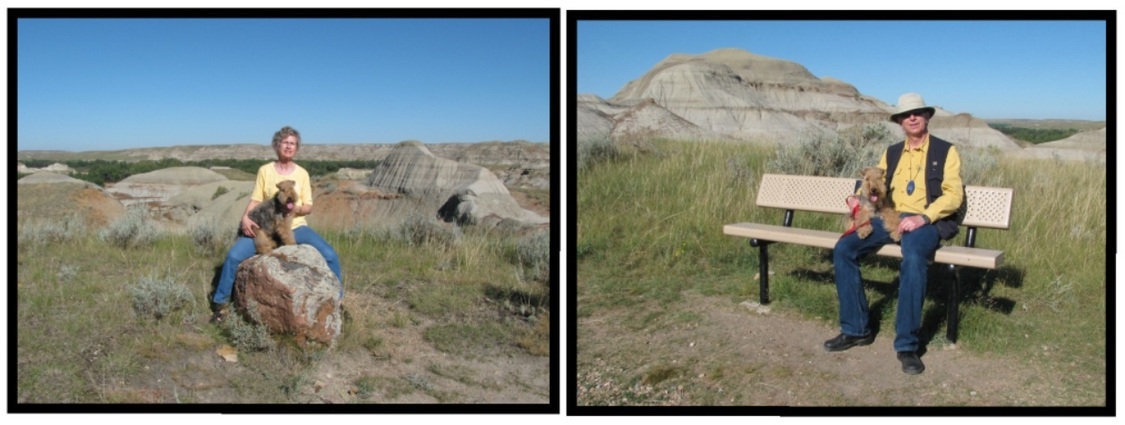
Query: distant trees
<point>1034,135</point>
<point>101,171</point>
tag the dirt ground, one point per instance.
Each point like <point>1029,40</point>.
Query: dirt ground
<point>747,355</point>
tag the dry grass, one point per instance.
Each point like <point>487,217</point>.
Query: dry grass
<point>82,339</point>
<point>649,231</point>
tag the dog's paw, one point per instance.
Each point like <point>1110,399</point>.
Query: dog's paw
<point>863,232</point>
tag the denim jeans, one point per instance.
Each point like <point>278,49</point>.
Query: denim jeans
<point>244,248</point>
<point>918,248</point>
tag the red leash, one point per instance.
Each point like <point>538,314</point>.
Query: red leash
<point>852,229</point>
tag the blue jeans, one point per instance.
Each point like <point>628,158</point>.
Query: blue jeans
<point>244,248</point>
<point>918,248</point>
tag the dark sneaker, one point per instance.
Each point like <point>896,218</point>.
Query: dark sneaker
<point>843,342</point>
<point>911,364</point>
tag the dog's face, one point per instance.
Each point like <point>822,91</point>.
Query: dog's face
<point>287,192</point>
<point>873,184</point>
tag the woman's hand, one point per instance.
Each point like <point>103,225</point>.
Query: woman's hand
<point>248,226</point>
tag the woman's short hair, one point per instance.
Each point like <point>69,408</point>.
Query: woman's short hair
<point>286,132</point>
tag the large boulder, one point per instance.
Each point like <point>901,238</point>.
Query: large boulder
<point>291,291</point>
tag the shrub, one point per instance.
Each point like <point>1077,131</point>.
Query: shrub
<point>420,229</point>
<point>67,272</point>
<point>210,237</point>
<point>596,150</point>
<point>841,155</point>
<point>247,336</point>
<point>978,166</point>
<point>130,231</point>
<point>158,297</point>
<point>48,231</point>
<point>533,253</point>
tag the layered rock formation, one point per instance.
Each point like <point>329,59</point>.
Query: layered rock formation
<point>731,94</point>
<point>427,184</point>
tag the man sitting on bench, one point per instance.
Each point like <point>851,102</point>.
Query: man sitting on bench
<point>926,189</point>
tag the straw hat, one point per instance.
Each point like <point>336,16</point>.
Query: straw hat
<point>910,102</point>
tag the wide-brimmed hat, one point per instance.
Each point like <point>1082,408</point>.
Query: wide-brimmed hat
<point>910,102</point>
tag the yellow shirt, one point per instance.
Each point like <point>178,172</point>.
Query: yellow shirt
<point>266,186</point>
<point>912,166</point>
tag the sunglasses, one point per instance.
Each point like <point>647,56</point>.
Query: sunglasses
<point>908,114</point>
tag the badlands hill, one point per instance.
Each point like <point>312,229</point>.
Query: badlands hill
<point>732,94</point>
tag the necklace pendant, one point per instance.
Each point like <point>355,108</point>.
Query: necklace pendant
<point>910,188</point>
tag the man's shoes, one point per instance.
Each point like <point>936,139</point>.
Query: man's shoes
<point>843,342</point>
<point>911,364</point>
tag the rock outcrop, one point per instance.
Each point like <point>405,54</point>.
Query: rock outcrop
<point>50,197</point>
<point>291,291</point>
<point>456,191</point>
<point>57,167</point>
<point>731,94</point>
<point>198,206</point>
<point>160,185</point>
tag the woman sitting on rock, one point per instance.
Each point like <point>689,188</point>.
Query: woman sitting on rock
<point>286,143</point>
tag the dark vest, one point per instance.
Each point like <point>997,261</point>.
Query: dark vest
<point>935,175</point>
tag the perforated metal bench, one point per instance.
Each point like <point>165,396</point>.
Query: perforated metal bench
<point>987,207</point>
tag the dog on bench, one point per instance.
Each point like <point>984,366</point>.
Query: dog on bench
<point>873,200</point>
<point>275,223</point>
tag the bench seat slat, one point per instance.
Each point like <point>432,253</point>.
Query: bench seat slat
<point>956,255</point>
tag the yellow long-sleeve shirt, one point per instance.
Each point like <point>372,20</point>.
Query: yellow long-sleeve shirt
<point>912,166</point>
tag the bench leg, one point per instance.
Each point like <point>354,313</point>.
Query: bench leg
<point>954,302</point>
<point>763,274</point>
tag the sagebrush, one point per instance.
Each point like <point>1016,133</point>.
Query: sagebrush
<point>159,296</point>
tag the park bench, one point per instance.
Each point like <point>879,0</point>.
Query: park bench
<point>984,207</point>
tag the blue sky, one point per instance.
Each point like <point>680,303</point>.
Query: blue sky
<point>990,69</point>
<point>106,84</point>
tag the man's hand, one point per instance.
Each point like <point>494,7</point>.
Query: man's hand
<point>910,224</point>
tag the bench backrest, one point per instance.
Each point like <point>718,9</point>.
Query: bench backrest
<point>989,207</point>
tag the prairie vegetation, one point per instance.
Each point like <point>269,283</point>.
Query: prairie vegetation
<point>119,315</point>
<point>650,249</point>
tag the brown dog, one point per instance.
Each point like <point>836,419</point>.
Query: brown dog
<point>275,223</point>
<point>873,199</point>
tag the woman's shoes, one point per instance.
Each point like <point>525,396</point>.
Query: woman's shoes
<point>219,313</point>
